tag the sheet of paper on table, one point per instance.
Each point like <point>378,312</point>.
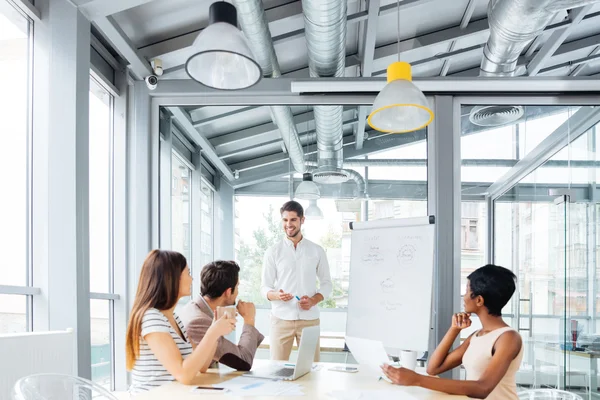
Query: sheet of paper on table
<point>248,386</point>
<point>370,395</point>
<point>370,354</point>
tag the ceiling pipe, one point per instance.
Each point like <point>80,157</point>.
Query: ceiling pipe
<point>513,25</point>
<point>325,28</point>
<point>252,19</point>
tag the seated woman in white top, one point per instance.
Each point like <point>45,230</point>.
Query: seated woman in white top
<point>491,356</point>
<point>158,350</point>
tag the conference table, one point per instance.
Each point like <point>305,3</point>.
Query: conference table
<point>315,385</point>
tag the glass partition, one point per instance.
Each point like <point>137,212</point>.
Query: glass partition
<point>545,231</point>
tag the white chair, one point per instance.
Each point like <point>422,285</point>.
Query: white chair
<point>548,394</point>
<point>58,387</point>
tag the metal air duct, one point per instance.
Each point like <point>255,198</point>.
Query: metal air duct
<point>514,24</point>
<point>360,181</point>
<point>252,19</point>
<point>325,29</point>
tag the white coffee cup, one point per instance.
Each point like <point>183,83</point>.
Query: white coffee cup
<point>408,359</point>
<point>229,310</point>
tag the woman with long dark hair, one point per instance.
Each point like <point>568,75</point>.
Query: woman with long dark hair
<point>158,350</point>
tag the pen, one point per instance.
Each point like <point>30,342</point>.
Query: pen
<point>298,297</point>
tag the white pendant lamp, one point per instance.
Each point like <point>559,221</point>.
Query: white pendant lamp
<point>307,189</point>
<point>222,58</point>
<point>400,107</point>
<point>313,212</point>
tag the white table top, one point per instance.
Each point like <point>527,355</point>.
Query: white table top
<point>315,385</point>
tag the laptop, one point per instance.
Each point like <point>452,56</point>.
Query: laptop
<point>306,355</point>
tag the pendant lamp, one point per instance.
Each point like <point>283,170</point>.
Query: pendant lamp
<point>313,211</point>
<point>307,189</point>
<point>222,58</point>
<point>400,107</point>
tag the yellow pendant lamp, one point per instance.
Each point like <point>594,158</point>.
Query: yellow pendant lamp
<point>400,107</point>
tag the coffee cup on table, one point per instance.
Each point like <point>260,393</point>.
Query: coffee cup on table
<point>408,359</point>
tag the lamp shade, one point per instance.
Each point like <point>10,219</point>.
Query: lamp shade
<point>400,107</point>
<point>313,211</point>
<point>222,58</point>
<point>307,189</point>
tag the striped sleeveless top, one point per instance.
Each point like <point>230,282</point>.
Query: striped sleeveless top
<point>148,372</point>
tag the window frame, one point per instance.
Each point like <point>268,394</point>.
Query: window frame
<point>28,290</point>
<point>110,296</point>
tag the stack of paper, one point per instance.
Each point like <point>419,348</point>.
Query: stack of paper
<point>248,386</point>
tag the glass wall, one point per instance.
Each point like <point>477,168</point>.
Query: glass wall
<point>15,171</point>
<point>544,230</point>
<point>397,188</point>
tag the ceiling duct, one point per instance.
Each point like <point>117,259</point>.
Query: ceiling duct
<point>513,25</point>
<point>361,185</point>
<point>325,30</point>
<point>252,19</point>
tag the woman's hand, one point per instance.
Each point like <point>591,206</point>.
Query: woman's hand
<point>223,326</point>
<point>461,320</point>
<point>400,376</point>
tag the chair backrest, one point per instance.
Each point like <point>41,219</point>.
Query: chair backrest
<point>548,394</point>
<point>58,387</point>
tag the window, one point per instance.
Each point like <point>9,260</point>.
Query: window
<point>180,208</point>
<point>470,235</point>
<point>206,223</point>
<point>101,232</point>
<point>15,171</point>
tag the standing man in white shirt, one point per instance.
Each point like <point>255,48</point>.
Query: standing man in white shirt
<point>289,281</point>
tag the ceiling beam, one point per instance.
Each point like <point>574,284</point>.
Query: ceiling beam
<point>103,8</point>
<point>199,117</point>
<point>579,68</point>
<point>556,39</point>
<point>262,161</point>
<point>258,135</point>
<point>306,138</point>
<point>140,67</point>
<point>379,142</point>
<point>183,120</point>
<point>367,55</point>
<point>578,124</point>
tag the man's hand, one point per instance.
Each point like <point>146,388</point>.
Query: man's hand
<point>283,296</point>
<point>306,303</point>
<point>400,376</point>
<point>248,311</point>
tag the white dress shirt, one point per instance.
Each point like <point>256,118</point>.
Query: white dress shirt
<point>295,270</point>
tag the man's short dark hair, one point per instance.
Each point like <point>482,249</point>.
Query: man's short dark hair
<point>293,206</point>
<point>495,284</point>
<point>218,276</point>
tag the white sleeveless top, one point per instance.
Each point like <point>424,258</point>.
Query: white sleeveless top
<point>147,371</point>
<point>478,356</point>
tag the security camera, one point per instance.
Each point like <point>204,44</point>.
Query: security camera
<point>151,82</point>
<point>157,66</point>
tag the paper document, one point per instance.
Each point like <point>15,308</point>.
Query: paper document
<point>247,386</point>
<point>371,395</point>
<point>370,354</point>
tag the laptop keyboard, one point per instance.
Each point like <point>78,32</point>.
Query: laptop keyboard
<point>284,372</point>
